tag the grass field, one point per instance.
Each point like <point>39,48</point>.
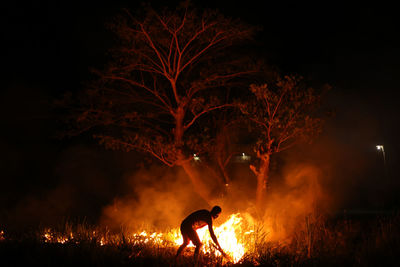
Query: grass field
<point>348,241</point>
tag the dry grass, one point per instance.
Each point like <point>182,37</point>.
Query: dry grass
<point>345,242</point>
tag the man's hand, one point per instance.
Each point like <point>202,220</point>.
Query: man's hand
<point>223,253</point>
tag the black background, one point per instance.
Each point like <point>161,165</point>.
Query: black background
<point>50,46</point>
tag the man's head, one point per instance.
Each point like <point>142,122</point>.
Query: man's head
<point>215,211</point>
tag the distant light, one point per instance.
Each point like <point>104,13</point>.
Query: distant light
<point>379,147</point>
<point>243,157</point>
<point>226,185</point>
<point>195,157</point>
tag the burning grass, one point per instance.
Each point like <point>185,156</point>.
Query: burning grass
<point>316,242</point>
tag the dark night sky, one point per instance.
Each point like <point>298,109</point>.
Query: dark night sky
<point>49,47</point>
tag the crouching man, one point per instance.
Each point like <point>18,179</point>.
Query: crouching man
<point>194,221</point>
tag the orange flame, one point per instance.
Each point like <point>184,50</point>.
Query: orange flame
<point>234,236</point>
<point>227,235</point>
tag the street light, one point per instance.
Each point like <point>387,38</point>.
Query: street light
<point>196,157</point>
<point>381,148</point>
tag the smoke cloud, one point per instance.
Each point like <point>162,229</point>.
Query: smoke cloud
<point>341,170</point>
<point>159,198</point>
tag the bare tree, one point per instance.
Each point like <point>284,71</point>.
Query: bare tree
<point>169,72</point>
<point>283,115</point>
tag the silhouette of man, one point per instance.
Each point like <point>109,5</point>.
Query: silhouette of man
<point>194,221</point>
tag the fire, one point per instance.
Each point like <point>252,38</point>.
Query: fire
<point>234,235</point>
<point>50,237</point>
<point>230,235</point>
<point>2,235</point>
<point>227,235</point>
<point>145,237</point>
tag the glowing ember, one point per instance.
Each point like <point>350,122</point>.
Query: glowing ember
<point>2,235</point>
<point>52,237</point>
<point>145,237</point>
<point>48,237</point>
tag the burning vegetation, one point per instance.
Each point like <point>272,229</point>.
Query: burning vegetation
<point>143,230</point>
<point>343,243</point>
<point>234,235</point>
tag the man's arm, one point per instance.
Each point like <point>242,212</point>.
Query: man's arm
<point>214,238</point>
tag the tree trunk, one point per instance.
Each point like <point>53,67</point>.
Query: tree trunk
<point>262,182</point>
<point>199,185</point>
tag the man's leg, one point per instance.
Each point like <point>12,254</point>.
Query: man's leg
<point>184,245</point>
<point>196,241</point>
<point>197,254</point>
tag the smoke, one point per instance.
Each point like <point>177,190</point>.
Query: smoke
<point>158,197</point>
<point>332,174</point>
<point>310,182</point>
<point>300,195</point>
<point>295,192</point>
<point>307,182</point>
<point>339,171</point>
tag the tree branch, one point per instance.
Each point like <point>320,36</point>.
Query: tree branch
<point>152,45</point>
<point>204,112</point>
<point>142,85</point>
<point>198,54</point>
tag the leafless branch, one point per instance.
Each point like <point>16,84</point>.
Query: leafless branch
<point>207,110</point>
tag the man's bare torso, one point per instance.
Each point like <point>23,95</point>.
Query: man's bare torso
<point>198,219</point>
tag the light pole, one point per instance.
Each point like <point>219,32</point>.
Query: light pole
<point>381,148</point>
